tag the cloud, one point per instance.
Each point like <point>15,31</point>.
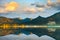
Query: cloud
<point>58,1</point>
<point>41,9</point>
<point>32,10</point>
<point>37,5</point>
<point>12,6</point>
<point>2,10</point>
<point>48,5</point>
<point>26,37</point>
<point>55,5</point>
<point>9,7</point>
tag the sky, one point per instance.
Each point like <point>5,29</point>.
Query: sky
<point>29,8</point>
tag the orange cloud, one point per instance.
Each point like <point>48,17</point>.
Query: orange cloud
<point>12,6</point>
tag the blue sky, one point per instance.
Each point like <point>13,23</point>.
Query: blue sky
<point>43,8</point>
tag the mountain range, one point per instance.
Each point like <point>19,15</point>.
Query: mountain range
<point>28,21</point>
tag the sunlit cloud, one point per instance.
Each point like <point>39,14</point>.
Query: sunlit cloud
<point>9,7</point>
<point>12,6</point>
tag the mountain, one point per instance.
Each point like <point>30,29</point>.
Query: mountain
<point>9,20</point>
<point>55,17</point>
<point>26,21</point>
<point>5,20</point>
<point>14,20</point>
<point>17,21</point>
<point>38,21</point>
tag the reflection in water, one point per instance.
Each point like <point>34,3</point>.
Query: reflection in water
<point>39,30</point>
<point>26,37</point>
